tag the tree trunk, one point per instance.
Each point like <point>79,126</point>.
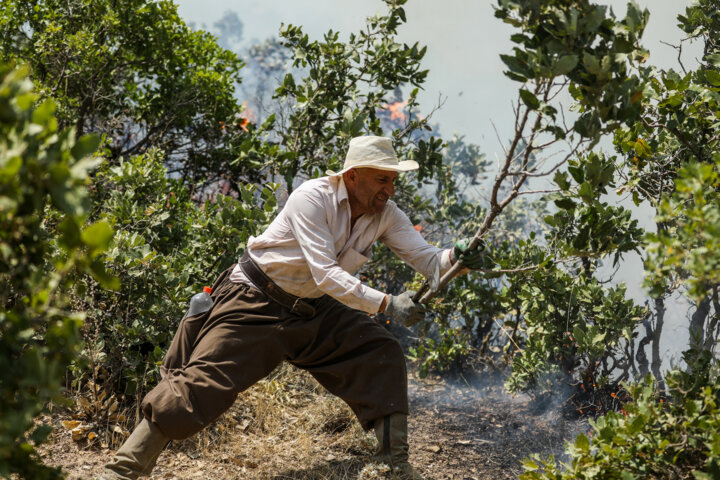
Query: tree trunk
<point>656,363</point>
<point>641,356</point>
<point>697,324</point>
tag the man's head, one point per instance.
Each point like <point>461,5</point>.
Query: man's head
<point>369,189</point>
<point>374,152</point>
<point>370,170</point>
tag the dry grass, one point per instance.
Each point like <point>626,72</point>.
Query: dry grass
<point>286,426</point>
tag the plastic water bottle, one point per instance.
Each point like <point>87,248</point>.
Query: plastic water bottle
<point>200,302</point>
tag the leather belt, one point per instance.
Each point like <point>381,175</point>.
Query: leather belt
<point>272,290</point>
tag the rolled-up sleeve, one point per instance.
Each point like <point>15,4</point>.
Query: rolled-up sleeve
<point>307,220</point>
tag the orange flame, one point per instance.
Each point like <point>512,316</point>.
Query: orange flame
<point>249,114</point>
<point>395,110</point>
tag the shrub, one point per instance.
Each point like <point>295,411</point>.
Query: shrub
<point>41,169</point>
<point>167,246</point>
<point>652,436</point>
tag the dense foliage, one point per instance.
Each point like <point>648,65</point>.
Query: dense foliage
<point>668,426</point>
<point>166,248</point>
<point>42,169</point>
<point>136,73</point>
<point>652,436</point>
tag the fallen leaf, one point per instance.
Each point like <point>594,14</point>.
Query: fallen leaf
<point>85,404</point>
<point>78,433</point>
<point>71,424</point>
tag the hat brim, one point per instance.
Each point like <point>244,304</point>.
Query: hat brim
<point>403,166</point>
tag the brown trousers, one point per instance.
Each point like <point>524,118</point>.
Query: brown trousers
<point>218,354</point>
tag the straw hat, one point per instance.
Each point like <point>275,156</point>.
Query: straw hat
<point>374,152</point>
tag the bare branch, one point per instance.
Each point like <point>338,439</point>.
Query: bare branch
<point>679,50</point>
<point>497,134</point>
<point>534,192</point>
<point>506,271</point>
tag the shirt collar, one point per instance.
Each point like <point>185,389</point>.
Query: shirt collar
<point>342,193</point>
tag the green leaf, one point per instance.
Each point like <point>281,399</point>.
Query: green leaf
<point>86,145</point>
<point>713,77</point>
<point>269,122</point>
<point>586,192</point>
<point>713,59</point>
<point>71,201</point>
<point>9,167</point>
<point>561,180</point>
<point>565,204</point>
<point>70,231</point>
<point>84,166</point>
<point>591,63</point>
<point>40,434</point>
<point>98,236</point>
<point>515,65</point>
<point>642,148</point>
<point>106,280</point>
<point>582,443</point>
<point>565,64</point>
<point>44,112</point>
<point>529,99</point>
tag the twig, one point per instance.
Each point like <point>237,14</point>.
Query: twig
<point>498,137</point>
<point>534,192</point>
<point>679,49</point>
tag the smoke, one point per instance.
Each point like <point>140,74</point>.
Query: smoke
<point>479,420</point>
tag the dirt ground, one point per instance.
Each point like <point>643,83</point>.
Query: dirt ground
<point>287,427</point>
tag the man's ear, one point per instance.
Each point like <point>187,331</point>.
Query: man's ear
<point>350,176</point>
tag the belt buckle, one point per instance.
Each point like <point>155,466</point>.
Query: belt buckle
<point>306,312</point>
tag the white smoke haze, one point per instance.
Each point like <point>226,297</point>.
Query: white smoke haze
<point>480,427</point>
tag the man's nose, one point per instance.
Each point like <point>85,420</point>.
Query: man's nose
<point>390,190</point>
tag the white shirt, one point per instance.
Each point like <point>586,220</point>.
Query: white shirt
<point>311,249</point>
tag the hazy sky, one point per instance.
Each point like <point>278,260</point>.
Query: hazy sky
<point>464,41</point>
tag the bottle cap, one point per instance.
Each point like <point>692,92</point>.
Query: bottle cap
<point>207,290</point>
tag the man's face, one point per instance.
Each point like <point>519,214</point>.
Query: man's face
<point>369,189</point>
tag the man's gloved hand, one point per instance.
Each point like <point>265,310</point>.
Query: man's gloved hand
<point>403,309</point>
<point>473,259</point>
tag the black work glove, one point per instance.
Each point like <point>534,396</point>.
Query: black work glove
<point>473,259</point>
<point>404,309</point>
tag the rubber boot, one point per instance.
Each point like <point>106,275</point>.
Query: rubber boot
<point>392,449</point>
<point>137,456</point>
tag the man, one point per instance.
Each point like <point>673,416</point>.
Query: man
<point>292,297</point>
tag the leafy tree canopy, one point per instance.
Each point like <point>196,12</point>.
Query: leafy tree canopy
<point>133,72</point>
